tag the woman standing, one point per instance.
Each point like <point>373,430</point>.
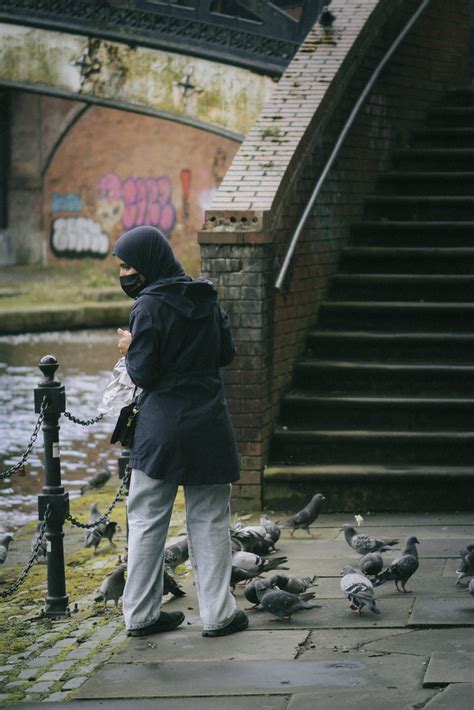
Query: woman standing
<point>179,338</point>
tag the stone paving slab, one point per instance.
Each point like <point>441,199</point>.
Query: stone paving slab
<point>248,678</point>
<point>450,570</point>
<point>329,587</point>
<point>443,611</point>
<point>361,700</point>
<point>425,642</point>
<point>274,702</point>
<point>324,641</point>
<point>459,696</point>
<point>331,567</point>
<point>422,532</point>
<point>251,645</point>
<point>382,520</point>
<point>454,667</point>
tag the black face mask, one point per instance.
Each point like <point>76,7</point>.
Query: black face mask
<point>131,285</point>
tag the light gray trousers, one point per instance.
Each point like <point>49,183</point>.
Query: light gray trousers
<point>150,504</point>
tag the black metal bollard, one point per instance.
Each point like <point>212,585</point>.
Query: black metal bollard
<point>53,492</point>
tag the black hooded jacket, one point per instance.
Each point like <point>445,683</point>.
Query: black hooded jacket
<point>180,339</point>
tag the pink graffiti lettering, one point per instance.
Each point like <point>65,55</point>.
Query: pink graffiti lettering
<point>144,200</point>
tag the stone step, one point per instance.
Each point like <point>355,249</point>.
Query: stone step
<point>420,207</point>
<point>443,137</point>
<point>401,287</point>
<point>360,378</point>
<point>305,446</point>
<point>423,182</point>
<point>383,346</point>
<point>413,233</point>
<point>396,315</point>
<point>305,410</point>
<point>434,159</point>
<point>408,260</point>
<point>449,116</point>
<point>369,487</point>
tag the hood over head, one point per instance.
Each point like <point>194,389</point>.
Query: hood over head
<point>148,251</point>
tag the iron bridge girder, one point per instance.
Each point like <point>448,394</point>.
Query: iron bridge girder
<point>264,40</point>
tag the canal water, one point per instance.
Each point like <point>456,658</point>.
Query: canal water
<point>86,359</point>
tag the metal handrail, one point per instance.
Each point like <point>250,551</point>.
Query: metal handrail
<point>342,136</point>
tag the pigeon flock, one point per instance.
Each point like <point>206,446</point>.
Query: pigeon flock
<point>254,549</point>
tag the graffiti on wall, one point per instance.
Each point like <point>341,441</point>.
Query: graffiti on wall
<point>136,201</point>
<point>118,205</point>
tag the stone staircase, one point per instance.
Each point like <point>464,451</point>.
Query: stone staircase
<point>380,414</point>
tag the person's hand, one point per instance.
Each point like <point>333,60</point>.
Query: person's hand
<point>124,341</point>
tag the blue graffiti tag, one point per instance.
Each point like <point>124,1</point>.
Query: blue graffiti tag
<point>66,203</point>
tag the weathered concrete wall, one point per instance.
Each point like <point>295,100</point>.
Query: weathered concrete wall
<point>189,115</point>
<point>267,187</point>
<point>217,97</point>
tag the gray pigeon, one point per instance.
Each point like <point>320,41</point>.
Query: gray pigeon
<point>110,530</point>
<point>371,564</point>
<point>94,536</point>
<point>251,539</point>
<point>112,587</point>
<point>470,587</point>
<point>402,567</point>
<point>272,529</point>
<point>255,564</point>
<point>41,554</point>
<point>177,553</point>
<point>250,593</point>
<point>305,517</point>
<point>170,585</point>
<point>291,583</point>
<point>466,565</point>
<point>359,590</point>
<point>282,604</point>
<point>97,481</point>
<point>363,543</point>
<point>5,540</point>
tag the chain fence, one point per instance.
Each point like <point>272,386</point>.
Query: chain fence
<point>20,466</point>
<point>103,518</point>
<point>34,554</point>
<point>83,422</point>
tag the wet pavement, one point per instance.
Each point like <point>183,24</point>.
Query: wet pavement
<point>417,653</point>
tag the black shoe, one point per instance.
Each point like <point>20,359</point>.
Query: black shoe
<point>165,622</point>
<point>238,623</point>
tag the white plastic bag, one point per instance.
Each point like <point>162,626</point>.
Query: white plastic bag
<point>119,392</point>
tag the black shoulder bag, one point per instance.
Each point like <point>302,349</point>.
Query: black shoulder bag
<point>125,426</point>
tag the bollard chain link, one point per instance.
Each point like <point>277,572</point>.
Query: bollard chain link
<point>24,457</point>
<point>83,422</point>
<point>34,554</point>
<point>103,518</point>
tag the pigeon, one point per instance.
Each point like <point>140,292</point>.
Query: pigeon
<point>177,553</point>
<point>470,587</point>
<point>326,17</point>
<point>363,544</point>
<point>402,567</point>
<point>466,565</point>
<point>170,585</point>
<point>272,529</point>
<point>112,587</point>
<point>282,604</point>
<point>41,554</point>
<point>110,530</point>
<point>251,539</point>
<point>97,482</point>
<point>371,564</point>
<point>250,593</point>
<point>305,517</point>
<point>94,536</point>
<point>291,583</point>
<point>359,590</point>
<point>255,564</point>
<point>5,540</point>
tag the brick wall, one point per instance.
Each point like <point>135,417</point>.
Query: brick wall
<point>258,204</point>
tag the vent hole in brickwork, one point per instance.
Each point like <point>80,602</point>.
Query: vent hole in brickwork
<point>254,219</point>
<point>244,219</point>
<point>233,220</point>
